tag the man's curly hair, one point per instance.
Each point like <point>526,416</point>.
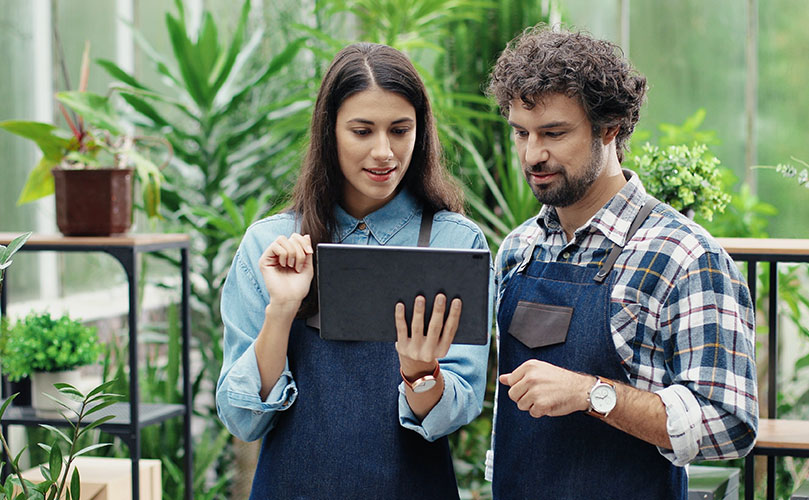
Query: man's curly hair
<point>541,61</point>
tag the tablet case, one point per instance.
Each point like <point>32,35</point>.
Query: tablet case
<point>359,286</point>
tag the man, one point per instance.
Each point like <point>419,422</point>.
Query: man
<point>626,332</point>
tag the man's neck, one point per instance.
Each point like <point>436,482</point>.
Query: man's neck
<point>603,189</point>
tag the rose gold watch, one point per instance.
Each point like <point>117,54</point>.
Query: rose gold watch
<point>425,383</point>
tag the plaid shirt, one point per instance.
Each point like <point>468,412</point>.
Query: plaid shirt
<point>681,316</point>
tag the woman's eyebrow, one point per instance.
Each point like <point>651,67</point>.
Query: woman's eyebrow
<point>366,121</point>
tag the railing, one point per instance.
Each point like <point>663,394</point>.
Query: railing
<point>775,437</point>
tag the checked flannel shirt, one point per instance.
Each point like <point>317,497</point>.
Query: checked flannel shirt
<point>681,317</point>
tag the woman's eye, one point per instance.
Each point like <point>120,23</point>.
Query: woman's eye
<point>401,131</point>
<point>361,131</point>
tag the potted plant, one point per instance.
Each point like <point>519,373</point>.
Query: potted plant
<point>685,177</point>
<point>62,480</point>
<point>90,166</point>
<point>48,350</point>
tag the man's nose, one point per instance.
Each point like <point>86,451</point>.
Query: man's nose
<point>536,152</point>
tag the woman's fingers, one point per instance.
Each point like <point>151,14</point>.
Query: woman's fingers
<point>450,326</point>
<point>417,323</point>
<point>289,252</point>
<point>401,324</point>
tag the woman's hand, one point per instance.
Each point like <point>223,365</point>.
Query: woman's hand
<point>419,351</point>
<point>286,266</point>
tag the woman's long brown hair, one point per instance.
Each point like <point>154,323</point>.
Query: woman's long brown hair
<point>320,183</point>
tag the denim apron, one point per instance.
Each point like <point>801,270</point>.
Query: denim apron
<point>341,439</point>
<point>577,456</point>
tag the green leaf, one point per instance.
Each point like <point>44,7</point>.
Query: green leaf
<point>144,108</point>
<point>55,461</point>
<point>226,68</point>
<point>116,72</point>
<point>58,431</point>
<point>39,182</point>
<point>195,84</point>
<point>95,109</point>
<point>75,485</point>
<point>91,448</point>
<point>52,141</point>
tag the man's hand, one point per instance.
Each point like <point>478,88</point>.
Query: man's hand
<point>541,389</point>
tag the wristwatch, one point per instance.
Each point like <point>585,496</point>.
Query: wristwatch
<point>601,398</point>
<point>425,383</point>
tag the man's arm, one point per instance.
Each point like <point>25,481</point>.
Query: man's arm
<point>543,389</point>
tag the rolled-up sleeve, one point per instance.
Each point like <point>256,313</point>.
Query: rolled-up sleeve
<point>238,400</point>
<point>712,406</point>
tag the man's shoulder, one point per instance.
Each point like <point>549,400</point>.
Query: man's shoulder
<point>669,232</point>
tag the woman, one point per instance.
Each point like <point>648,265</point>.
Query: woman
<point>341,419</point>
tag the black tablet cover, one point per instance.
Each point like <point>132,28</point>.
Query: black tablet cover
<point>359,286</point>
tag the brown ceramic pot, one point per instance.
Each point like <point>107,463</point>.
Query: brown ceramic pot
<point>93,202</point>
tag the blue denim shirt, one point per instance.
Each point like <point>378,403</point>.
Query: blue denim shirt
<point>244,299</point>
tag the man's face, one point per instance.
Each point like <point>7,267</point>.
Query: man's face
<point>559,155</point>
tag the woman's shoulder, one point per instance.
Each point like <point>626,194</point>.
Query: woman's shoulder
<point>264,231</point>
<point>458,225</point>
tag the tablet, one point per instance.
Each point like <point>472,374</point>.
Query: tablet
<point>359,286</point>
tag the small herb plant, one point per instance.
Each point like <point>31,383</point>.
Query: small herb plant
<point>788,170</point>
<point>60,481</point>
<point>686,177</point>
<point>40,343</point>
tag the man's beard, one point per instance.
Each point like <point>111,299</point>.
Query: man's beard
<point>570,189</point>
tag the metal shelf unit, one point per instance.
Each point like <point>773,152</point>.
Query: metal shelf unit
<point>130,417</point>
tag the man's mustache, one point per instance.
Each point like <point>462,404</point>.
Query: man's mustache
<point>544,168</point>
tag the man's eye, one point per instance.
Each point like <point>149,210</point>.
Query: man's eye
<point>520,133</point>
<point>554,134</point>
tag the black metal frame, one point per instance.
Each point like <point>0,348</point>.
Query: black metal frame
<point>752,260</point>
<point>126,424</point>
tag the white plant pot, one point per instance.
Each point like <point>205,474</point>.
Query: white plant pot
<point>42,382</point>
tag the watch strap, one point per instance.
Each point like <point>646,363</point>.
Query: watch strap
<point>433,375</point>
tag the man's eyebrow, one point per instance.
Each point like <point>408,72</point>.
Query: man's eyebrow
<point>555,124</point>
<point>365,121</point>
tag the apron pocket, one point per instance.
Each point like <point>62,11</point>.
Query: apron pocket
<point>540,325</point>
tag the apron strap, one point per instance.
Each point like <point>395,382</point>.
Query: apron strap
<point>426,226</point>
<point>641,216</point>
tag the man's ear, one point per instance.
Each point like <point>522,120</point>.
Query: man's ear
<point>608,134</point>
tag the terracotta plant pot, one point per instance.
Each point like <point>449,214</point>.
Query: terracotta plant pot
<point>93,202</point>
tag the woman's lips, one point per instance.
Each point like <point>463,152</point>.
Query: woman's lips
<point>381,174</point>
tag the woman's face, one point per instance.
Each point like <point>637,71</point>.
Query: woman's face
<point>376,133</point>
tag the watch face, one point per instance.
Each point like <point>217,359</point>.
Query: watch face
<point>602,398</point>
<point>424,384</point>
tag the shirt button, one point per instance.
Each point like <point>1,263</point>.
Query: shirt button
<point>362,226</point>
<point>566,255</point>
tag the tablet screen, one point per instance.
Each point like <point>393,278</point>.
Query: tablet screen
<point>359,286</point>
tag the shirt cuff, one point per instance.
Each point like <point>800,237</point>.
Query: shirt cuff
<point>683,424</point>
<point>434,424</point>
<point>245,386</point>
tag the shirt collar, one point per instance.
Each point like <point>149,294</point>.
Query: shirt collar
<point>383,223</point>
<point>612,220</point>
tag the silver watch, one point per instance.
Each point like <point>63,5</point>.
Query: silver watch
<point>602,398</point>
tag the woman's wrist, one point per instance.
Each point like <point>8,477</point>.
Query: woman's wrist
<point>279,308</point>
<point>413,369</point>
